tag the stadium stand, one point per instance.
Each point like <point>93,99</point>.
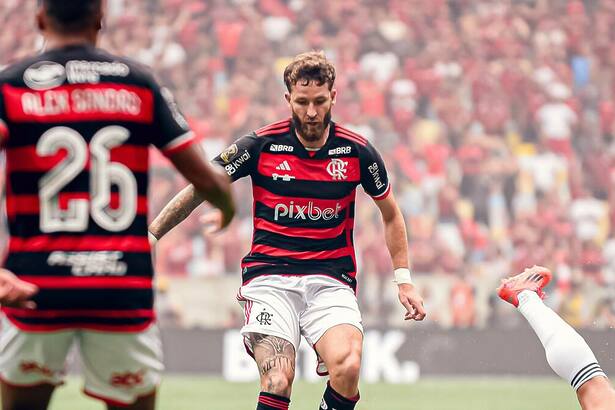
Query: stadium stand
<point>496,119</point>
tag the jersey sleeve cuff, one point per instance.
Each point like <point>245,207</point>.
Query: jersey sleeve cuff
<point>179,144</point>
<point>384,194</point>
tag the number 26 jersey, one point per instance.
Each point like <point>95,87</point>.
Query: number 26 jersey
<point>76,124</point>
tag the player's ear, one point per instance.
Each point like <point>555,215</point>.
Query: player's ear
<point>41,24</point>
<point>287,97</point>
<point>333,96</point>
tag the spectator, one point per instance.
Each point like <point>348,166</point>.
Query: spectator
<point>497,120</point>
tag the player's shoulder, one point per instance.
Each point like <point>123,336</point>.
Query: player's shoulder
<point>14,70</point>
<point>275,130</point>
<point>74,65</point>
<point>128,66</point>
<point>346,136</point>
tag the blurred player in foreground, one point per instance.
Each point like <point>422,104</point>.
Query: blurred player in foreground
<point>300,275</point>
<point>567,352</point>
<point>76,124</point>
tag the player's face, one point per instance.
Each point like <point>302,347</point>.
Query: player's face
<point>311,106</point>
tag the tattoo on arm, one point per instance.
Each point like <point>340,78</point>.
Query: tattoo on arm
<point>178,209</point>
<point>273,352</point>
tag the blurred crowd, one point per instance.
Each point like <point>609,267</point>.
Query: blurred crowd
<point>496,119</point>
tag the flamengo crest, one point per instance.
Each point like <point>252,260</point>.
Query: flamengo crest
<point>337,169</point>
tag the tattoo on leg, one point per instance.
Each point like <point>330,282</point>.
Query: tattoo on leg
<point>274,353</point>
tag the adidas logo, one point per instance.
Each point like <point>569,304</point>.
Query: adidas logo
<point>283,166</point>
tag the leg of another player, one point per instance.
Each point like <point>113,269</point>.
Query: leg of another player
<point>275,358</point>
<point>341,348</point>
<point>597,394</point>
<point>143,403</point>
<point>26,398</point>
<point>567,353</point>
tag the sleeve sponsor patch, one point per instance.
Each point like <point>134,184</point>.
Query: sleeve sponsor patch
<point>229,154</point>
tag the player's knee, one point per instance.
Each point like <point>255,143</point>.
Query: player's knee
<point>347,366</point>
<point>277,382</point>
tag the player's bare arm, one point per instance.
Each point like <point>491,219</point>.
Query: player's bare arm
<point>178,209</point>
<point>208,184</point>
<point>275,358</point>
<point>397,244</point>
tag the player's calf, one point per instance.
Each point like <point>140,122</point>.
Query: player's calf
<point>597,394</point>
<point>275,358</point>
<point>567,353</point>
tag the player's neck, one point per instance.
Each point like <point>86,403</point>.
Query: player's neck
<point>53,40</point>
<point>315,145</point>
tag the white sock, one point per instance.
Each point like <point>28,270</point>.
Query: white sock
<point>567,352</point>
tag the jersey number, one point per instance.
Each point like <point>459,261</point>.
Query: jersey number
<point>103,173</point>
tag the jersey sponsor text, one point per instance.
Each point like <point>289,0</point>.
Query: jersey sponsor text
<point>309,211</point>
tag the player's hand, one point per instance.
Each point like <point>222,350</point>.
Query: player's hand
<point>14,292</point>
<point>213,222</point>
<point>412,300</point>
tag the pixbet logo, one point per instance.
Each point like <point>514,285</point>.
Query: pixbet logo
<point>309,211</point>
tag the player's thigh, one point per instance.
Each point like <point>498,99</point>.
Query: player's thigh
<point>33,358</point>
<point>272,308</point>
<point>332,322</point>
<point>122,369</point>
<point>31,365</point>
<point>330,304</point>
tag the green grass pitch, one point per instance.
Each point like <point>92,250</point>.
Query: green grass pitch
<point>201,393</point>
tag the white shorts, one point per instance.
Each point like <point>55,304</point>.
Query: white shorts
<point>118,367</point>
<point>289,307</point>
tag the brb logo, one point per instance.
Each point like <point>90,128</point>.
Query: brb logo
<point>337,169</point>
<point>309,211</point>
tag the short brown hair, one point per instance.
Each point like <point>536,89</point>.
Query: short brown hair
<point>307,67</point>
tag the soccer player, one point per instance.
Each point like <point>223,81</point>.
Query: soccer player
<point>76,124</point>
<point>300,275</point>
<point>567,353</point>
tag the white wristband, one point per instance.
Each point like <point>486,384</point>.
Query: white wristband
<point>152,239</point>
<point>402,275</point>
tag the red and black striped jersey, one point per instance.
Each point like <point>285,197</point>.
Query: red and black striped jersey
<point>304,200</point>
<point>76,124</point>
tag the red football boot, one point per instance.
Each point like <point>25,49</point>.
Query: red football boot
<point>534,279</point>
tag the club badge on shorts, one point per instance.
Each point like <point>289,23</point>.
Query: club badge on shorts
<point>264,318</point>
